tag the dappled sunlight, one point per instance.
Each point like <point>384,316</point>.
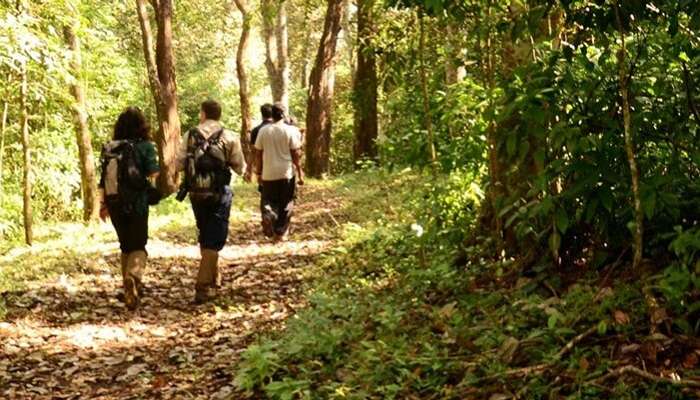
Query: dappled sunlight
<point>68,315</point>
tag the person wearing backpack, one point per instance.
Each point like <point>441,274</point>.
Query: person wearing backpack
<point>207,154</point>
<point>128,162</point>
<point>277,158</point>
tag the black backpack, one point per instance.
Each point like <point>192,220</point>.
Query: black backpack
<point>122,178</point>
<point>206,170</point>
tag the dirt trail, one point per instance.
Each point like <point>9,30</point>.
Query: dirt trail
<point>70,338</point>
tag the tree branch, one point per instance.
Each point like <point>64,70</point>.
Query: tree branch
<point>631,369</point>
<point>688,81</point>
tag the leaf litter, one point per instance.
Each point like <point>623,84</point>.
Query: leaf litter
<point>70,338</point>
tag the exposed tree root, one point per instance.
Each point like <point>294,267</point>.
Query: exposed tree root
<point>631,369</point>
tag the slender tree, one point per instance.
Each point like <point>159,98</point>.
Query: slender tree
<point>624,79</point>
<point>428,120</point>
<point>321,83</point>
<point>246,118</point>
<point>161,76</point>
<point>27,162</point>
<point>86,158</point>
<point>365,85</point>
<point>276,39</point>
<point>3,127</point>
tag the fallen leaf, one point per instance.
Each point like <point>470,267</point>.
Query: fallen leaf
<point>621,318</point>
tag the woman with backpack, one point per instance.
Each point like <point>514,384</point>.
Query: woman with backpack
<point>128,162</point>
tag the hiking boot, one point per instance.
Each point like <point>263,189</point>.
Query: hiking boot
<point>140,289</point>
<point>131,294</point>
<point>201,295</point>
<point>207,276</point>
<point>136,263</point>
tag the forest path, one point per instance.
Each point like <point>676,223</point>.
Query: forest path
<point>68,337</point>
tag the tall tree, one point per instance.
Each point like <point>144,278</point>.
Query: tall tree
<point>246,118</point>
<point>3,127</point>
<point>365,85</point>
<point>320,102</point>
<point>27,162</point>
<point>624,79</point>
<point>161,75</point>
<point>428,119</point>
<point>276,39</point>
<point>87,161</point>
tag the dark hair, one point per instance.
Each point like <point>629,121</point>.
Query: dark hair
<point>277,111</point>
<point>266,110</point>
<point>131,125</point>
<point>212,110</point>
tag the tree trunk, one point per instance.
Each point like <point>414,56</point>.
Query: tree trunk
<point>282,37</point>
<point>426,96</point>
<point>246,119</point>
<point>276,39</point>
<point>3,126</point>
<point>365,84</point>
<point>27,173</point>
<point>453,72</point>
<point>320,102</point>
<point>306,49</point>
<point>349,45</point>
<point>149,56</point>
<point>161,74</point>
<point>87,161</point>
<point>629,145</point>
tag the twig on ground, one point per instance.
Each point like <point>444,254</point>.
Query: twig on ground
<point>631,369</point>
<point>576,340</point>
<point>333,218</point>
<point>540,368</point>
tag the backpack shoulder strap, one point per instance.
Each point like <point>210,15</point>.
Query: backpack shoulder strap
<point>216,136</point>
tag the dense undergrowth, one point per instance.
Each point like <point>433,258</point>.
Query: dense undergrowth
<point>411,306</point>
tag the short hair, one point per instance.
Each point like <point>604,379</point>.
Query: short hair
<point>278,111</point>
<point>132,125</point>
<point>266,110</point>
<point>211,110</point>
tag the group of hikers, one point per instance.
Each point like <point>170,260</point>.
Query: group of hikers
<point>206,156</point>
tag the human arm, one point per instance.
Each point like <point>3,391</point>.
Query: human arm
<point>296,160</point>
<point>295,150</point>
<point>236,160</point>
<point>258,165</point>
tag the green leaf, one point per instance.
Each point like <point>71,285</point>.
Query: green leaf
<point>554,242</point>
<point>552,321</point>
<point>511,144</point>
<point>562,220</point>
<point>602,327</point>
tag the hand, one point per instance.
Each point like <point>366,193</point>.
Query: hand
<point>104,213</point>
<point>300,181</point>
<point>247,176</point>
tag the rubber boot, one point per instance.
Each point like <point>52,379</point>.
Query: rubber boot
<point>207,276</point>
<point>124,258</point>
<point>135,266</point>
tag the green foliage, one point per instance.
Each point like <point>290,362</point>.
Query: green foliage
<point>392,315</point>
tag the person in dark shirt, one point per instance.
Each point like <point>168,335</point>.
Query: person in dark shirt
<point>266,113</point>
<point>130,220</point>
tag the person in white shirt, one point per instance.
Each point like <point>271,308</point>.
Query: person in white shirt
<point>277,159</point>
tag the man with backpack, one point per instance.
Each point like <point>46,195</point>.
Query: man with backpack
<point>207,155</point>
<point>277,158</point>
